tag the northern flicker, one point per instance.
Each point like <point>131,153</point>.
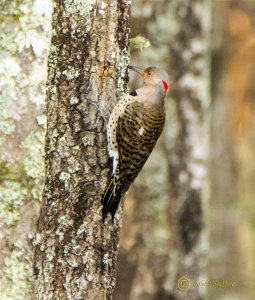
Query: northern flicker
<point>134,127</point>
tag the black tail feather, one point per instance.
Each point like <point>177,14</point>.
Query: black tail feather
<point>111,198</point>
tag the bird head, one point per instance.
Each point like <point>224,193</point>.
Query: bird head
<point>153,76</point>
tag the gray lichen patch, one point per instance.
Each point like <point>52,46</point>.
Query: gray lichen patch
<point>71,73</point>
<point>81,7</point>
<point>22,77</point>
<point>33,145</point>
<point>74,100</point>
<point>12,196</point>
<point>65,178</point>
<point>122,67</point>
<point>15,273</point>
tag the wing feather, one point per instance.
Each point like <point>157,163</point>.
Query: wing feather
<point>134,148</point>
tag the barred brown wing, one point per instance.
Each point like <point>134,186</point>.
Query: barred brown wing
<point>137,133</point>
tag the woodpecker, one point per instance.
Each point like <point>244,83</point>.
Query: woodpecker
<point>134,127</point>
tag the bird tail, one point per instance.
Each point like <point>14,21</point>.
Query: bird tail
<point>111,198</point>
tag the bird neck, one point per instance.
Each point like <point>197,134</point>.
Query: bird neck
<point>153,94</point>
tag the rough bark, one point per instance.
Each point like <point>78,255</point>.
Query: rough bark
<point>75,253</point>
<point>188,159</point>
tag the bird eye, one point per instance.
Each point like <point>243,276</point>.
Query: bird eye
<point>149,72</point>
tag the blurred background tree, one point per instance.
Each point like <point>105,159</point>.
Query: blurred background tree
<point>170,195</point>
<point>146,268</point>
<point>232,172</point>
<point>24,42</point>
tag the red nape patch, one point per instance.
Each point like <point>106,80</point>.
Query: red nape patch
<point>165,85</point>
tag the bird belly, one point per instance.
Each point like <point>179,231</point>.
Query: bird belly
<point>112,129</point>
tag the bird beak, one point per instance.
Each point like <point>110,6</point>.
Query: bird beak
<point>137,69</point>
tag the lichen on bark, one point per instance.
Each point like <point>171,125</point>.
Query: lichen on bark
<point>75,254</point>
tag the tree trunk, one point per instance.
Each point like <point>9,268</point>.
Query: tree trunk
<point>188,160</point>
<point>75,253</point>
